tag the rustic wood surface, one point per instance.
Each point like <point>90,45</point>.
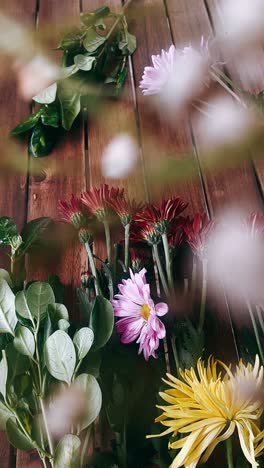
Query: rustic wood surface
<point>76,162</point>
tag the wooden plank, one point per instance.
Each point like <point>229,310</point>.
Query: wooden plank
<point>153,34</point>
<point>63,172</point>
<point>249,78</point>
<point>13,185</point>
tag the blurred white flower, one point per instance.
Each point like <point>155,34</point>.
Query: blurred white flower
<point>65,409</point>
<point>177,75</point>
<point>241,22</point>
<point>120,157</point>
<point>237,259</point>
<point>47,96</point>
<point>35,76</point>
<point>223,122</point>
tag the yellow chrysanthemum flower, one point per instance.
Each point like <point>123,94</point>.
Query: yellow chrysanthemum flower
<point>209,407</point>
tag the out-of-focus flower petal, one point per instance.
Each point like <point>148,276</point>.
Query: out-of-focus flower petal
<point>120,157</point>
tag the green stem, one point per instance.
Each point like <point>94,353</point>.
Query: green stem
<point>203,298</point>
<point>229,453</point>
<point>168,261</point>
<point>193,280</point>
<point>93,268</point>
<point>160,269</point>
<point>229,90</point>
<point>261,321</point>
<point>175,355</point>
<point>127,235</point>
<point>118,19</point>
<point>50,441</point>
<point>255,328</point>
<point>85,445</point>
<point>108,241</point>
<point>227,79</point>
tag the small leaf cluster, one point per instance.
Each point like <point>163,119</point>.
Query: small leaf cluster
<point>94,58</point>
<point>41,350</point>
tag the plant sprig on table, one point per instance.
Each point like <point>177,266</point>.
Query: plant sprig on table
<point>94,62</point>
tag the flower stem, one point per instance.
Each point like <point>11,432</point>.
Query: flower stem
<point>203,298</point>
<point>108,241</point>
<point>85,445</point>
<point>160,269</point>
<point>93,268</point>
<point>193,280</point>
<point>127,235</point>
<point>50,441</point>
<point>229,453</point>
<point>261,321</point>
<point>168,261</point>
<point>255,328</point>
<point>229,90</point>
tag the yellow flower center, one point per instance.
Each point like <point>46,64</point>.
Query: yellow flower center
<point>145,311</point>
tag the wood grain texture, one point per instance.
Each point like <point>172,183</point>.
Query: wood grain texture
<point>62,173</point>
<point>225,188</point>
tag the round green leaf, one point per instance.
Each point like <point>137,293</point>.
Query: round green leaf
<point>60,356</point>
<point>38,296</point>
<point>5,275</point>
<point>8,318</point>
<point>63,325</point>
<point>17,438</point>
<point>67,451</point>
<point>5,414</point>
<point>17,363</point>
<point>84,62</point>
<point>3,374</point>
<point>24,341</point>
<point>93,40</point>
<point>101,322</point>
<point>58,312</point>
<point>83,341</point>
<point>22,306</point>
<point>89,385</point>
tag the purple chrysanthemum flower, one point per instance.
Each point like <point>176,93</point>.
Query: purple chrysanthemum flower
<point>139,315</point>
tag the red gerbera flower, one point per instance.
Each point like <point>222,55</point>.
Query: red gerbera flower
<point>141,232</point>
<point>74,212</point>
<point>176,235</point>
<point>162,217</point>
<point>125,208</point>
<point>197,231</point>
<point>99,200</point>
<point>138,260</point>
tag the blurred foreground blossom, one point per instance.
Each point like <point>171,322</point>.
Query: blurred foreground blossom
<point>35,76</point>
<point>237,258</point>
<point>120,157</point>
<point>14,38</point>
<point>172,75</point>
<point>223,122</point>
<point>65,410</point>
<point>241,23</point>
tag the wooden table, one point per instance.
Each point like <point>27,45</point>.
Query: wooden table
<point>25,197</point>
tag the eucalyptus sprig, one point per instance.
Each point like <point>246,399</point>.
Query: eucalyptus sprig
<point>94,64</point>
<point>41,350</point>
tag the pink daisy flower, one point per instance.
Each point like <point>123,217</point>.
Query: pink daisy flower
<point>139,315</point>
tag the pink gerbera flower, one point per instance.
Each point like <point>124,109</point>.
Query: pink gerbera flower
<point>139,315</point>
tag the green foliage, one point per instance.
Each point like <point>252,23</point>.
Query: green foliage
<point>93,58</point>
<point>8,230</point>
<point>67,452</point>
<point>60,356</point>
<point>101,322</point>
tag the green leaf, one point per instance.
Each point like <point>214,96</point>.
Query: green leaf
<point>84,304</point>
<point>90,387</point>
<point>8,230</point>
<point>5,414</point>
<point>23,385</point>
<point>93,16</point>
<point>6,276</point>
<point>26,125</point>
<point>93,41</point>
<point>22,306</point>
<point>63,325</point>
<point>70,106</point>
<point>42,141</point>
<point>50,115</point>
<point>57,286</point>
<point>101,321</point>
<point>84,62</point>
<point>34,232</point>
<point>58,312</point>
<point>17,438</point>
<point>128,44</point>
<point>83,341</point>
<point>72,40</point>
<point>24,341</point>
<point>8,318</point>
<point>17,363</point>
<point>68,71</point>
<point>38,296</point>
<point>67,452</point>
<point>3,374</point>
<point>60,356</point>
